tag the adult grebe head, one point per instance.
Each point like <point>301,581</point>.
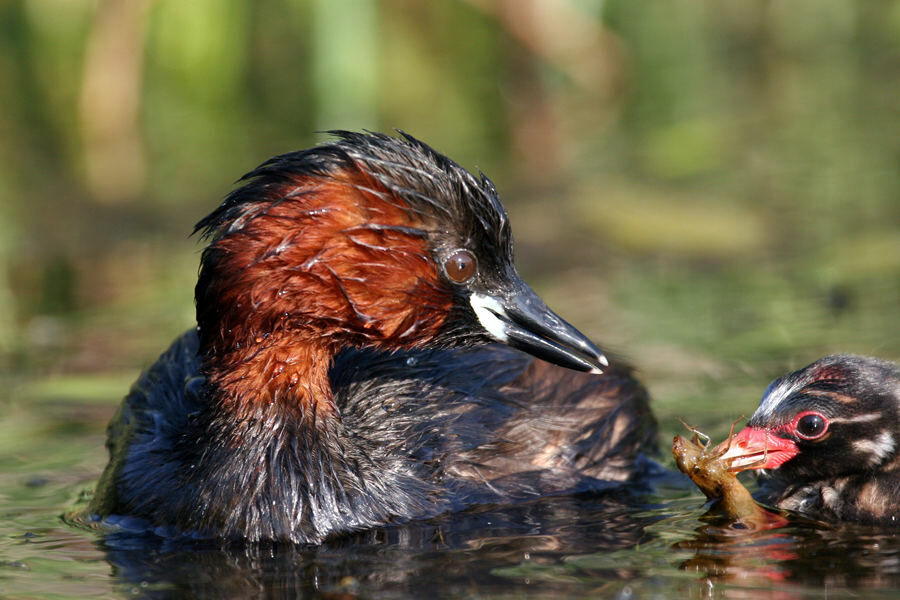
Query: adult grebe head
<point>370,241</point>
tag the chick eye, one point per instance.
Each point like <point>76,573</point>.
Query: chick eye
<point>460,266</point>
<point>811,426</point>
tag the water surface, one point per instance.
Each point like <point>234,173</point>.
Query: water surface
<point>641,544</point>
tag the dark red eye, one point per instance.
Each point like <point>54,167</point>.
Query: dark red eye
<point>810,425</point>
<point>460,266</point>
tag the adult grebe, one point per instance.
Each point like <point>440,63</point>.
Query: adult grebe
<point>341,376</point>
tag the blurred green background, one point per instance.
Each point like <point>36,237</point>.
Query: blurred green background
<point>710,188</point>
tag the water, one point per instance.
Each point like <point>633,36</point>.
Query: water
<point>644,545</point>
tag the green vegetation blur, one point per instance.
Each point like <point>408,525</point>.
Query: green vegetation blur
<point>710,188</point>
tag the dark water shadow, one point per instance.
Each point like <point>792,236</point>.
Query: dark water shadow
<point>802,557</point>
<point>458,554</point>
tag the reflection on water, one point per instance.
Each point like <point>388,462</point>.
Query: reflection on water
<point>656,544</point>
<point>485,551</point>
<point>645,544</point>
<point>797,560</point>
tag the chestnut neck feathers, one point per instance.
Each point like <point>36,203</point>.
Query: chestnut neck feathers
<point>337,246</point>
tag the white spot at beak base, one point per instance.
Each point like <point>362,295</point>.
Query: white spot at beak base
<point>486,309</point>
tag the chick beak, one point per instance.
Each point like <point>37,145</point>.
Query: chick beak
<point>757,448</point>
<point>519,318</point>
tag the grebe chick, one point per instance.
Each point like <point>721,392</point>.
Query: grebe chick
<point>828,438</point>
<point>342,375</point>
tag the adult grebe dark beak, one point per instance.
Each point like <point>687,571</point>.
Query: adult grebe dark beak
<point>519,318</point>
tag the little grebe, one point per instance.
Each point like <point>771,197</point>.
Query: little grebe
<point>341,377</point>
<point>828,437</point>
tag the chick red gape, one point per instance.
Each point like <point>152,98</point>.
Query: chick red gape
<point>341,375</point>
<point>760,448</point>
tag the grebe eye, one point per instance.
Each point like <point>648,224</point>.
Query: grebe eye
<point>811,426</point>
<point>460,266</point>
